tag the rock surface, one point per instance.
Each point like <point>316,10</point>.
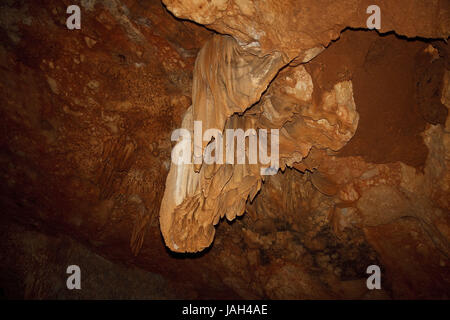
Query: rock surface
<point>301,28</point>
<point>194,202</point>
<point>85,150</point>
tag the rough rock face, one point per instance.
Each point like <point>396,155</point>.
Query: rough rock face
<point>229,78</point>
<point>311,131</point>
<point>302,28</point>
<point>364,130</point>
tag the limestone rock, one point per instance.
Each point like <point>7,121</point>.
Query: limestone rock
<point>85,149</point>
<point>299,28</point>
<point>195,201</point>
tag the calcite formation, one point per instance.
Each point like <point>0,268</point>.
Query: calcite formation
<point>302,28</point>
<point>314,124</point>
<point>227,82</point>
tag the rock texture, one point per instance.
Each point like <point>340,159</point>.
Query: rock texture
<point>85,149</point>
<point>194,202</point>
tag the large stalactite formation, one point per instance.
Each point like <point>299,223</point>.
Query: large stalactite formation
<point>86,153</point>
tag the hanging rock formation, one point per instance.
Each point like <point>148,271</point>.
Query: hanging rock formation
<point>229,78</point>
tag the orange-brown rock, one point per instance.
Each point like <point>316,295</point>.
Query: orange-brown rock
<point>85,149</point>
<point>227,81</point>
<point>301,29</point>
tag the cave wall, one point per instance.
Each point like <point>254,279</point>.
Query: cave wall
<point>85,151</point>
